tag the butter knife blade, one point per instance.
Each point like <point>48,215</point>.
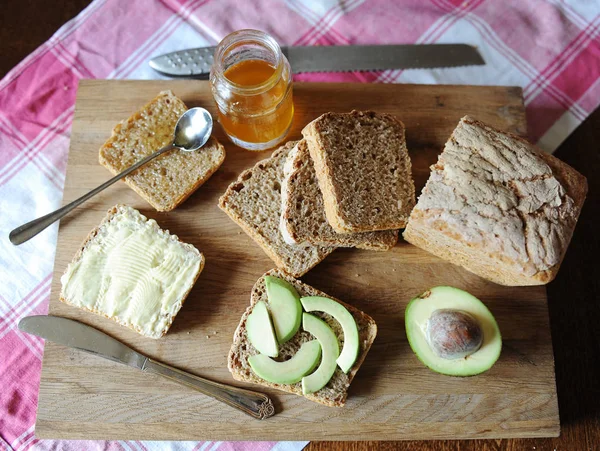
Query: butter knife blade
<point>74,334</point>
<point>197,62</point>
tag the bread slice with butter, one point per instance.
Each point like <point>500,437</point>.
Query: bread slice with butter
<point>171,178</point>
<point>132,272</point>
<point>334,394</point>
<point>253,201</point>
<point>303,213</point>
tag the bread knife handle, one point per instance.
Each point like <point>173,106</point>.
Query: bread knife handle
<point>253,403</point>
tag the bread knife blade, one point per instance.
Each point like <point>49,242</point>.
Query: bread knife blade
<point>197,62</point>
<point>74,334</point>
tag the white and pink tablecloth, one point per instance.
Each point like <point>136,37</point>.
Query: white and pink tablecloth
<point>549,48</point>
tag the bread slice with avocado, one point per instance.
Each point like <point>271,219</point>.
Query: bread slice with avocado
<point>335,391</point>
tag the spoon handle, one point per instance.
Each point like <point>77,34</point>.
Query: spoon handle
<point>29,230</point>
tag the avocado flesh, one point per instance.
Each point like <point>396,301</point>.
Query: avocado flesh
<point>260,330</point>
<point>344,317</point>
<point>290,371</point>
<point>420,309</point>
<point>286,310</point>
<point>330,351</point>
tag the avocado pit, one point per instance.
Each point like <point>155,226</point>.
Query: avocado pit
<point>453,334</point>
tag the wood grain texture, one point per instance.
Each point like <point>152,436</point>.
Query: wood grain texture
<point>393,397</point>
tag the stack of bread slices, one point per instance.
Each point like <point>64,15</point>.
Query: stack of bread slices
<point>347,183</point>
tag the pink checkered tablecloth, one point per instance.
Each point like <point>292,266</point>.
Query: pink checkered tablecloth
<point>549,48</point>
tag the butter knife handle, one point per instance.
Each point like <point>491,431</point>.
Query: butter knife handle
<point>253,403</point>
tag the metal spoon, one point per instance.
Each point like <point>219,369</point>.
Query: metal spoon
<point>191,132</point>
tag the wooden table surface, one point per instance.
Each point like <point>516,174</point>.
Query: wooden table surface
<point>573,296</point>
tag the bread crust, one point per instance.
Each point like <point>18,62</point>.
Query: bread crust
<point>493,266</point>
<point>241,345</point>
<point>472,260</point>
<point>79,254</point>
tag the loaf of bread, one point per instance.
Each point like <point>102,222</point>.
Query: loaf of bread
<point>363,170</point>
<point>171,178</point>
<point>254,203</point>
<point>131,271</point>
<point>303,213</point>
<point>498,206</point>
<point>335,392</point>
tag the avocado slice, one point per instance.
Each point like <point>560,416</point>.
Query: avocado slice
<point>260,330</point>
<point>286,310</point>
<point>452,332</point>
<point>344,317</point>
<point>330,350</point>
<point>290,371</point>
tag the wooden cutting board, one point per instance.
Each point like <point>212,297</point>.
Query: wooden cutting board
<point>393,396</point>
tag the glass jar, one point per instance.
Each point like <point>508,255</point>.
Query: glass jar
<point>251,82</point>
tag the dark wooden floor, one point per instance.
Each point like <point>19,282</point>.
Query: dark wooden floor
<point>574,296</point>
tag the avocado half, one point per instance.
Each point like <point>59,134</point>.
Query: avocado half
<point>419,311</point>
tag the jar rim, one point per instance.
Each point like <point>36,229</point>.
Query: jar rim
<point>234,39</point>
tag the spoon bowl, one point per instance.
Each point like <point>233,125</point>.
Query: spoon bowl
<point>193,129</point>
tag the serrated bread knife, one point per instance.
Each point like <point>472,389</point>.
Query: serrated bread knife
<point>74,334</point>
<point>197,62</point>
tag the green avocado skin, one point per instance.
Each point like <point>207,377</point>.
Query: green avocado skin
<point>330,351</point>
<point>474,371</point>
<point>351,346</point>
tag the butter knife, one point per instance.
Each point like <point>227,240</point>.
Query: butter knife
<point>74,334</point>
<point>197,62</point>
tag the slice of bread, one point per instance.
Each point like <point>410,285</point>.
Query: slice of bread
<point>498,206</point>
<point>303,214</point>
<point>363,169</point>
<point>171,178</point>
<point>133,272</point>
<point>254,203</point>
<point>335,392</point>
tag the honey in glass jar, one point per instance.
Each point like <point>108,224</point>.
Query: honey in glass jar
<point>251,82</point>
